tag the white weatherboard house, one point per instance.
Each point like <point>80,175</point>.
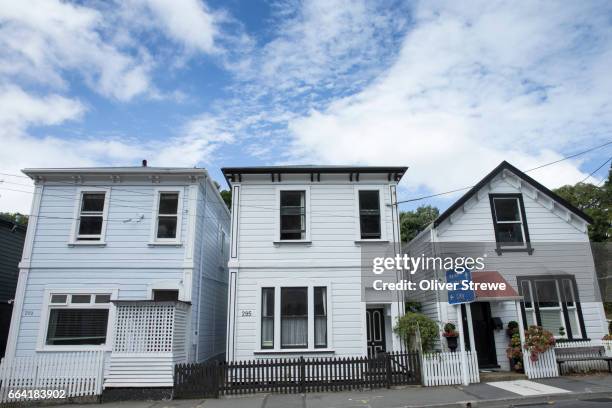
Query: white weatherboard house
<point>295,260</point>
<point>128,260</point>
<point>537,243</point>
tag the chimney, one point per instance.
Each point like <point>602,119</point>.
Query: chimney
<point>144,163</point>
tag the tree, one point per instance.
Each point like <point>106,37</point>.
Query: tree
<point>17,218</point>
<point>594,201</point>
<point>413,222</point>
<point>227,197</point>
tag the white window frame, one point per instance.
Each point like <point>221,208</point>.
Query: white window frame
<point>155,213</point>
<point>74,234</point>
<point>558,308</point>
<point>46,312</point>
<point>307,236</point>
<point>572,309</point>
<point>278,285</point>
<point>383,214</point>
<point>507,245</point>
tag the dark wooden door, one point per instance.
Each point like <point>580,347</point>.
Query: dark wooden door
<point>375,319</point>
<point>5,323</point>
<point>484,339</point>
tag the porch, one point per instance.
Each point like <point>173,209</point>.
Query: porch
<point>150,339</point>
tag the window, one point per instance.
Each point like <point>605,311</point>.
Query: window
<point>369,214</point>
<point>320,316</point>
<point>165,295</point>
<point>293,215</point>
<point>167,216</point>
<point>509,222</point>
<point>550,302</point>
<point>91,216</point>
<point>77,319</point>
<point>294,317</point>
<point>267,318</point>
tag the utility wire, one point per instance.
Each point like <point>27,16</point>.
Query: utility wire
<point>596,170</point>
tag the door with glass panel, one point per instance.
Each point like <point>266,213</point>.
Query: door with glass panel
<point>375,324</point>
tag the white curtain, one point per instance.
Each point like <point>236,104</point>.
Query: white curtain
<point>294,331</point>
<point>320,331</point>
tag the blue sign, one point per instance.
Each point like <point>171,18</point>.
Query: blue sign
<point>462,293</point>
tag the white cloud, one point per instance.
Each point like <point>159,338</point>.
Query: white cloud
<point>193,145</point>
<point>473,85</point>
<point>187,22</point>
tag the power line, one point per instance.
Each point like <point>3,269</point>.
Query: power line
<point>596,170</point>
<point>526,171</point>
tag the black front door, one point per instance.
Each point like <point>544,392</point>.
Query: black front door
<point>483,334</point>
<point>375,319</point>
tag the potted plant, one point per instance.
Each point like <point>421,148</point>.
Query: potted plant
<point>538,341</point>
<point>451,335</point>
<point>561,331</point>
<point>515,353</point>
<point>512,328</point>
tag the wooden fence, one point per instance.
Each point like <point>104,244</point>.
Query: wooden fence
<point>445,368</point>
<point>297,375</point>
<point>544,367</point>
<point>73,374</point>
<point>585,366</point>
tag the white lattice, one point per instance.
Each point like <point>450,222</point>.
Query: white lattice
<point>144,327</point>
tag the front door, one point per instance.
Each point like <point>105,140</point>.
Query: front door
<point>483,334</point>
<point>375,319</point>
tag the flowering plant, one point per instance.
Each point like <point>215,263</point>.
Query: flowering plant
<point>537,341</point>
<point>607,337</point>
<point>449,330</point>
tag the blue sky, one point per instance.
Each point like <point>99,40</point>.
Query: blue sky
<point>448,90</point>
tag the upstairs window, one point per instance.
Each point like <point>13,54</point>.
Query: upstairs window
<point>167,223</point>
<point>293,215</point>
<point>91,216</point>
<point>369,214</point>
<point>509,221</point>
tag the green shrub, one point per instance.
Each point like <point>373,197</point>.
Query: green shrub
<point>406,328</point>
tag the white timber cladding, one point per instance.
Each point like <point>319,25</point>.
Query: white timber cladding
<point>550,224</point>
<point>128,262</point>
<point>329,256</point>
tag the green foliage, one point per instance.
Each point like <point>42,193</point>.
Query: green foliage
<point>413,222</point>
<point>595,202</point>
<point>17,218</point>
<point>413,307</point>
<point>406,328</point>
<point>537,341</point>
<point>227,197</point>
<point>514,352</point>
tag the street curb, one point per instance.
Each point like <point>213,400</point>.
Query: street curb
<point>516,401</point>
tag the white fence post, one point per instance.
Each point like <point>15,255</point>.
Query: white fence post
<point>448,369</point>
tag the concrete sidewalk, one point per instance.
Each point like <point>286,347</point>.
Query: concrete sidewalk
<point>573,391</point>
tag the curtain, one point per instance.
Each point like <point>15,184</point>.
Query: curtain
<point>294,331</point>
<point>320,331</point>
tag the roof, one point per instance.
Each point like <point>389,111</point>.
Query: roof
<point>115,170</point>
<point>493,277</point>
<point>507,166</point>
<point>396,171</point>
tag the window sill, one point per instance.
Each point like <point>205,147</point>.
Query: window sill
<point>173,243</point>
<point>87,243</point>
<point>294,351</point>
<point>361,241</point>
<point>292,241</point>
<point>500,250</point>
<point>51,349</point>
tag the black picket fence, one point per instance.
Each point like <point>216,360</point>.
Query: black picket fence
<point>298,375</point>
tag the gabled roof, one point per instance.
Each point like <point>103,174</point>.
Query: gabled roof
<point>507,166</point>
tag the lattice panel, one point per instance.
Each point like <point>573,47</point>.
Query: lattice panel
<point>144,328</point>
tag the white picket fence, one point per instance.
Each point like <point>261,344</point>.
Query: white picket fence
<point>445,368</point>
<point>544,367</point>
<point>76,374</point>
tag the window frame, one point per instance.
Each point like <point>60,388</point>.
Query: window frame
<point>155,216</point>
<point>307,212</point>
<point>74,233</point>
<point>508,247</point>
<point>46,314</point>
<point>562,308</point>
<point>382,209</point>
<point>277,286</point>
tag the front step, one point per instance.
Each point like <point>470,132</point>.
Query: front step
<point>490,376</point>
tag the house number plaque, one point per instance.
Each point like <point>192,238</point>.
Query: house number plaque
<point>247,313</point>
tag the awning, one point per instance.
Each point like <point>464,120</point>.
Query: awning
<point>484,295</point>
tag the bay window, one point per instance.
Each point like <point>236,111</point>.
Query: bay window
<point>551,302</point>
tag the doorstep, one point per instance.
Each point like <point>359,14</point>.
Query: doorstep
<point>498,375</point>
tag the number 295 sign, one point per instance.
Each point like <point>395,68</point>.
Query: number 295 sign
<point>461,293</point>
